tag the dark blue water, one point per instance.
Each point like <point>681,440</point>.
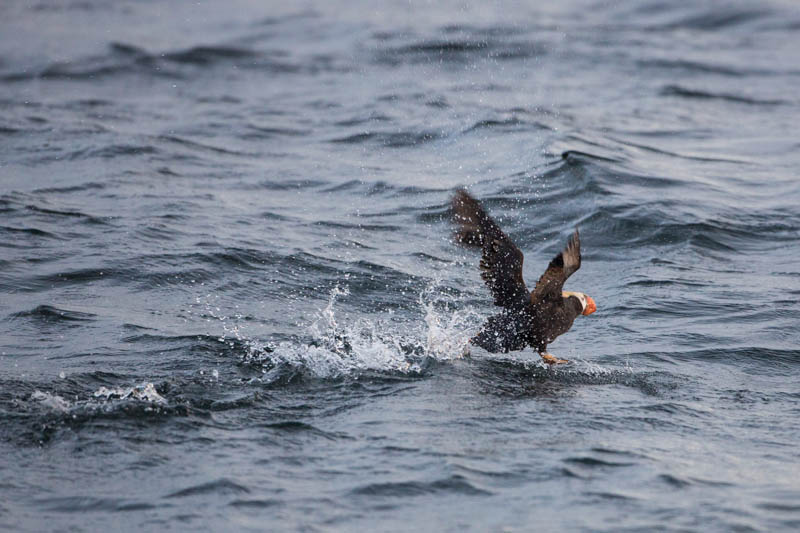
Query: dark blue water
<point>229,299</point>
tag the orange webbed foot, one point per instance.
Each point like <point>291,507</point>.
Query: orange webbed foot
<point>552,360</point>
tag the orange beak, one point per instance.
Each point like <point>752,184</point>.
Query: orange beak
<point>591,307</point>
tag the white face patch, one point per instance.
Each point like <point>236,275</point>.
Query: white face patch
<point>579,295</point>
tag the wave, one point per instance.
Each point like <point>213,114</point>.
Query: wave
<point>295,427</point>
<point>48,313</point>
<point>508,124</point>
<point>286,184</point>
<point>127,59</point>
<point>629,225</point>
<point>198,146</point>
<point>255,504</point>
<point>718,19</point>
<point>64,213</point>
<point>687,156</point>
<point>83,504</point>
<point>700,67</point>
<point>391,139</point>
<point>88,186</point>
<point>145,272</point>
<point>360,120</point>
<point>220,486</point>
<point>112,151</point>
<point>569,155</point>
<point>623,209</point>
<point>8,130</point>
<point>360,227</point>
<point>204,55</point>
<point>683,92</point>
<point>82,275</point>
<point>257,132</point>
<point>593,462</point>
<point>457,46</point>
<point>32,232</point>
<point>455,484</point>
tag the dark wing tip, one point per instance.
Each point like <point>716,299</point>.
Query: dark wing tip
<point>461,192</point>
<point>572,253</point>
<point>562,266</point>
<point>575,235</point>
<point>464,205</point>
<point>467,214</point>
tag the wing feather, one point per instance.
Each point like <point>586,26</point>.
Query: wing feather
<point>560,268</point>
<point>501,261</point>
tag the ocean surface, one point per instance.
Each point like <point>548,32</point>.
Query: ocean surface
<point>229,299</point>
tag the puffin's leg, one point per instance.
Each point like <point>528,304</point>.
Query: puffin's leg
<point>551,359</point>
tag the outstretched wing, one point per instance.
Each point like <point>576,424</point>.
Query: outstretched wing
<point>501,263</point>
<point>560,268</point>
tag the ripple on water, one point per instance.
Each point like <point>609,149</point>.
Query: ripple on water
<point>82,504</point>
<point>52,314</point>
<point>218,487</point>
<point>455,484</point>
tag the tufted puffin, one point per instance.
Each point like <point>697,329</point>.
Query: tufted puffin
<point>528,318</point>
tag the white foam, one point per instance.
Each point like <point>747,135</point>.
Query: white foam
<point>382,343</point>
<point>146,392</point>
<point>104,399</point>
<point>51,401</point>
<point>447,330</point>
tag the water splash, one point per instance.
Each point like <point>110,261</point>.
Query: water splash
<point>146,392</point>
<point>50,401</point>
<point>447,324</point>
<point>335,347</point>
<point>104,399</point>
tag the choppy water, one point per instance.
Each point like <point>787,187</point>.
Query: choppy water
<point>228,299</point>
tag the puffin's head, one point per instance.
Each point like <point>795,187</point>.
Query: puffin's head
<point>587,304</point>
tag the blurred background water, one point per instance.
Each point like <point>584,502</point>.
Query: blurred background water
<point>229,299</point>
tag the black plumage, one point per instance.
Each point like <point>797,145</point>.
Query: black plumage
<point>529,318</point>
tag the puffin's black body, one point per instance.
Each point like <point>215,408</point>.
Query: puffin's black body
<point>510,331</point>
<point>532,318</point>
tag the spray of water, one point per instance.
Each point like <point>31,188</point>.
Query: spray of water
<point>103,400</point>
<point>340,347</point>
